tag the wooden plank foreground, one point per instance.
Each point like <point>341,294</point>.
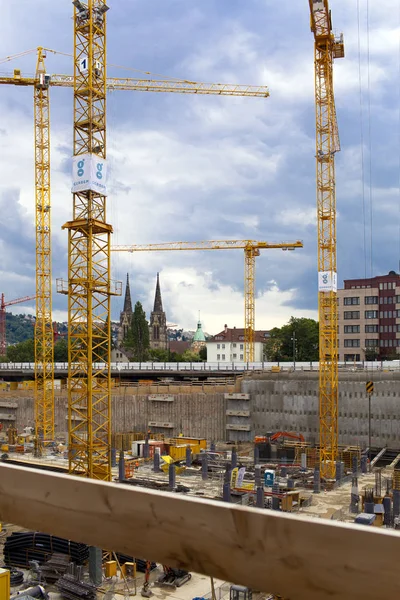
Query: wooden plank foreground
<point>288,555</point>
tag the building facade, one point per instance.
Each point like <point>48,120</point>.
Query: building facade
<point>125,317</point>
<point>228,345</point>
<point>369,318</point>
<point>158,322</point>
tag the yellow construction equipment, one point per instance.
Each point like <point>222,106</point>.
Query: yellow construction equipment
<point>44,335</point>
<point>44,346</point>
<point>251,250</point>
<point>327,47</point>
<point>89,286</point>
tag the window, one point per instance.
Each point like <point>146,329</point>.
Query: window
<point>241,357</point>
<point>371,314</point>
<point>351,357</point>
<point>218,346</point>
<point>371,300</point>
<point>223,346</point>
<point>234,345</point>
<point>352,329</point>
<point>397,299</point>
<point>218,357</point>
<point>351,314</point>
<point>234,356</point>
<point>350,301</point>
<point>223,357</point>
<point>381,286</point>
<point>241,346</point>
<point>371,343</point>
<point>371,329</point>
<point>351,343</point>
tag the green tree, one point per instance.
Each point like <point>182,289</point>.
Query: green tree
<point>137,339</point>
<point>22,352</point>
<point>158,355</point>
<point>61,351</point>
<point>281,345</point>
<point>189,356</point>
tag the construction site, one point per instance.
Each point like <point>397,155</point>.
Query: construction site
<point>258,483</point>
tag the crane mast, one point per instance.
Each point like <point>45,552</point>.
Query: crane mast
<point>326,48</point>
<point>44,339</point>
<point>89,286</point>
<point>251,251</point>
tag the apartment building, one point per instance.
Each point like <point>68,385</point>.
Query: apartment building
<point>369,318</point>
<point>228,345</point>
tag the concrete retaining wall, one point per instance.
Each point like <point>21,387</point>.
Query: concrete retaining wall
<point>289,402</point>
<point>277,402</point>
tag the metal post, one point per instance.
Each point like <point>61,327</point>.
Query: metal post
<point>260,497</point>
<point>293,338</point>
<point>156,461</point>
<point>396,503</point>
<point>355,464</point>
<point>204,466</point>
<point>188,456</point>
<point>387,517</point>
<point>317,481</point>
<point>113,457</point>
<point>95,565</point>
<point>172,477</point>
<point>354,496</point>
<point>234,458</point>
<point>303,461</point>
<point>226,492</point>
<point>257,476</point>
<point>364,464</point>
<point>121,466</point>
<point>146,449</point>
<point>256,454</point>
<point>369,431</point>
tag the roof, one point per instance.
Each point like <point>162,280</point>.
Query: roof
<point>237,335</point>
<point>178,346</point>
<point>127,300</point>
<point>199,335</point>
<point>158,308</point>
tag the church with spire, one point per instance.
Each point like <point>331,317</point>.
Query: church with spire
<point>158,322</point>
<point>125,317</point>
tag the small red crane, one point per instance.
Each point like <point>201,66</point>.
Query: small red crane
<point>3,304</point>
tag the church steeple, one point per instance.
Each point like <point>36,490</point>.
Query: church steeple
<point>158,322</point>
<point>158,308</point>
<point>127,301</point>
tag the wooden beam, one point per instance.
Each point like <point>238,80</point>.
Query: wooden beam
<point>298,558</point>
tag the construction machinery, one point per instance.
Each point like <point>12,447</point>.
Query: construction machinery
<point>44,346</point>
<point>327,47</point>
<point>251,251</point>
<point>44,336</point>
<point>3,305</point>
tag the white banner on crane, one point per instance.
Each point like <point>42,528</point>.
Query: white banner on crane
<point>89,172</point>
<point>327,281</point>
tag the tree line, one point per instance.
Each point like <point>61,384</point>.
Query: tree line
<point>297,340</point>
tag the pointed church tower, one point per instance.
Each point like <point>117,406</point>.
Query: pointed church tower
<point>158,322</point>
<point>125,317</point>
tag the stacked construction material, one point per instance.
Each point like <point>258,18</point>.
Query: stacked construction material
<point>140,563</point>
<point>55,568</point>
<point>21,547</point>
<point>72,588</point>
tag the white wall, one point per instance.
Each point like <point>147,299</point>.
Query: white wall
<point>231,352</point>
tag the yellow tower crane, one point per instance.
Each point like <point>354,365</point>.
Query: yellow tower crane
<point>327,47</point>
<point>251,250</point>
<point>44,337</point>
<point>41,84</point>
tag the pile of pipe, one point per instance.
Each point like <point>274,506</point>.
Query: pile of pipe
<point>140,563</point>
<point>22,547</point>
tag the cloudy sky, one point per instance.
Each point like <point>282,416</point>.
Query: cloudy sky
<point>203,168</point>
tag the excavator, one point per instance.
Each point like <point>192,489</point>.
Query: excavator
<point>263,442</point>
<point>171,578</point>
